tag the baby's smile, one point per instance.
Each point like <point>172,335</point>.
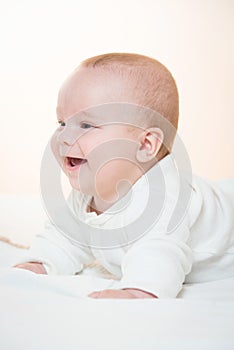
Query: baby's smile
<point>73,163</point>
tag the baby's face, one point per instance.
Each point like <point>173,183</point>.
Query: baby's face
<point>89,147</point>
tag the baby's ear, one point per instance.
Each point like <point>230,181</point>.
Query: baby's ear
<point>151,141</point>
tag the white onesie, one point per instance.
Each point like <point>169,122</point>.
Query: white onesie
<point>199,249</point>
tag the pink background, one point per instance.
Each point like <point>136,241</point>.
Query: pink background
<point>42,42</point>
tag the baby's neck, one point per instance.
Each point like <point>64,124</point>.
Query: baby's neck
<point>99,206</point>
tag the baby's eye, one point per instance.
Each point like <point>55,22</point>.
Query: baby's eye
<point>61,123</point>
<point>84,125</point>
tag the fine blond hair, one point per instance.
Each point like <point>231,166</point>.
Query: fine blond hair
<point>152,84</point>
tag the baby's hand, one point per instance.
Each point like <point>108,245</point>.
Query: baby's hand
<point>127,293</point>
<point>35,267</point>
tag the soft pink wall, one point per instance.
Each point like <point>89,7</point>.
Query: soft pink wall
<point>41,42</point>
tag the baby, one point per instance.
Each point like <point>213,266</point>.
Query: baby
<point>97,112</point>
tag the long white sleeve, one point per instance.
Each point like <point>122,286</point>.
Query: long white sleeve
<point>57,253</point>
<point>157,265</point>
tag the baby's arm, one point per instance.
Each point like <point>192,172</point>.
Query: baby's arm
<point>153,267</point>
<point>157,265</point>
<point>53,253</point>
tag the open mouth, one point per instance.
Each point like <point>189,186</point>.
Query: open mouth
<point>74,163</point>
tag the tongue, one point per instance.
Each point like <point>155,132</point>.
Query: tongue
<point>75,161</point>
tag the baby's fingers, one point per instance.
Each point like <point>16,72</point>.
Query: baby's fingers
<point>111,294</point>
<point>33,267</point>
<point>94,294</point>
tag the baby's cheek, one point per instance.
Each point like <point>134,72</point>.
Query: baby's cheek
<point>54,143</point>
<point>55,146</point>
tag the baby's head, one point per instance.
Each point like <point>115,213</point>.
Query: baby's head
<point>92,112</point>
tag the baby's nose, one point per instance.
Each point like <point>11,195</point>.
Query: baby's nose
<point>68,136</point>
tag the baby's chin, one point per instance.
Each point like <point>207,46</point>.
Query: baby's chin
<point>83,188</point>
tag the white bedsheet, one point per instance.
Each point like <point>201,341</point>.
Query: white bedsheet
<point>53,312</point>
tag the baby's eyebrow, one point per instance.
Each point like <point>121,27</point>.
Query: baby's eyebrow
<point>86,116</point>
<point>82,116</point>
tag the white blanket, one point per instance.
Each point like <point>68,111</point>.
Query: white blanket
<point>53,312</point>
